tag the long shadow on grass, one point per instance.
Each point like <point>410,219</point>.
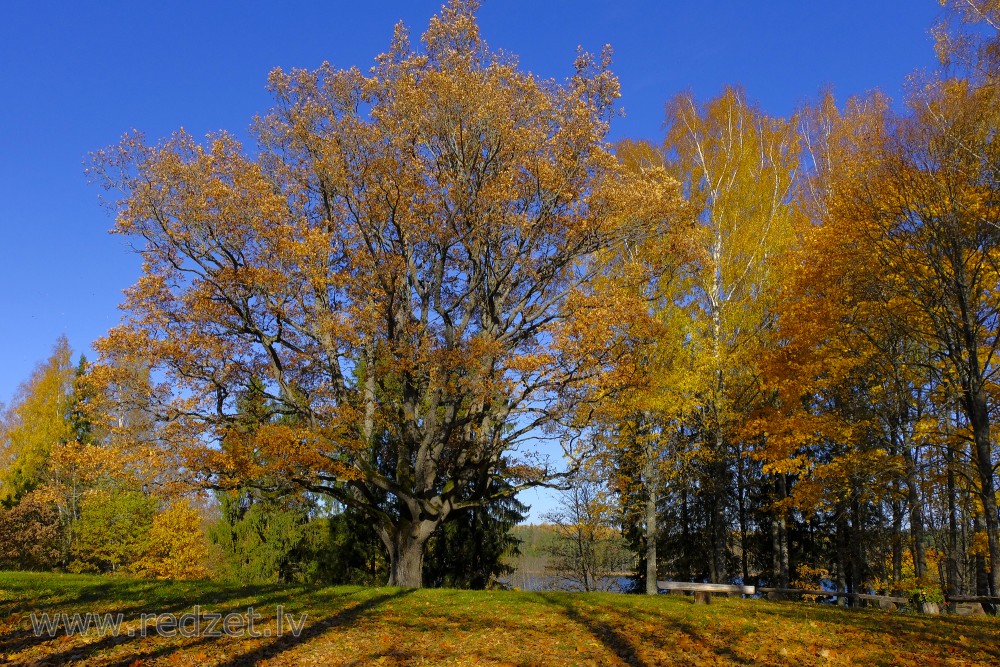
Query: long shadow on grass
<point>144,652</point>
<point>615,641</point>
<point>317,629</point>
<point>54,596</point>
<point>719,641</point>
<point>33,597</point>
<point>26,638</point>
<point>162,602</point>
<point>898,626</point>
<point>156,652</point>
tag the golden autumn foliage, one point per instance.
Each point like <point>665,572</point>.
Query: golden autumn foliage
<point>631,325</point>
<point>177,547</point>
<point>36,422</point>
<point>822,348</point>
<point>738,167</point>
<point>871,366</point>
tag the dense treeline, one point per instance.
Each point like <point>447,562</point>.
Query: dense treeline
<point>834,425</point>
<point>766,346</point>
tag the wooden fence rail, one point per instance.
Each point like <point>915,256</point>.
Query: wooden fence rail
<point>703,593</point>
<point>982,599</point>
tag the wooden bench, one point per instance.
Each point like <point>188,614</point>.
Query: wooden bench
<point>703,592</point>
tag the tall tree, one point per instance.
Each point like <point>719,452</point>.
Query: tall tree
<point>846,377</point>
<point>393,265</point>
<point>35,423</point>
<point>928,206</point>
<point>633,321</point>
<point>738,168</point>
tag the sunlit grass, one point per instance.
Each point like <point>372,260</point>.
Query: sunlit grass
<point>356,626</point>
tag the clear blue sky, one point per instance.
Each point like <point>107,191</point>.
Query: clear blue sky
<point>76,75</point>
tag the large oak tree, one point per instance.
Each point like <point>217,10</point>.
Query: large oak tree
<point>386,278</point>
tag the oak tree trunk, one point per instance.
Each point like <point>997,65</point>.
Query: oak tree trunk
<point>405,544</point>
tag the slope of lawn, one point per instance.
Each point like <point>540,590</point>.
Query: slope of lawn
<point>354,626</point>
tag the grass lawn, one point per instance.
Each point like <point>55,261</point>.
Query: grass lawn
<point>355,626</point>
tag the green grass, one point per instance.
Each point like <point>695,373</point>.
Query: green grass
<point>355,626</point>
